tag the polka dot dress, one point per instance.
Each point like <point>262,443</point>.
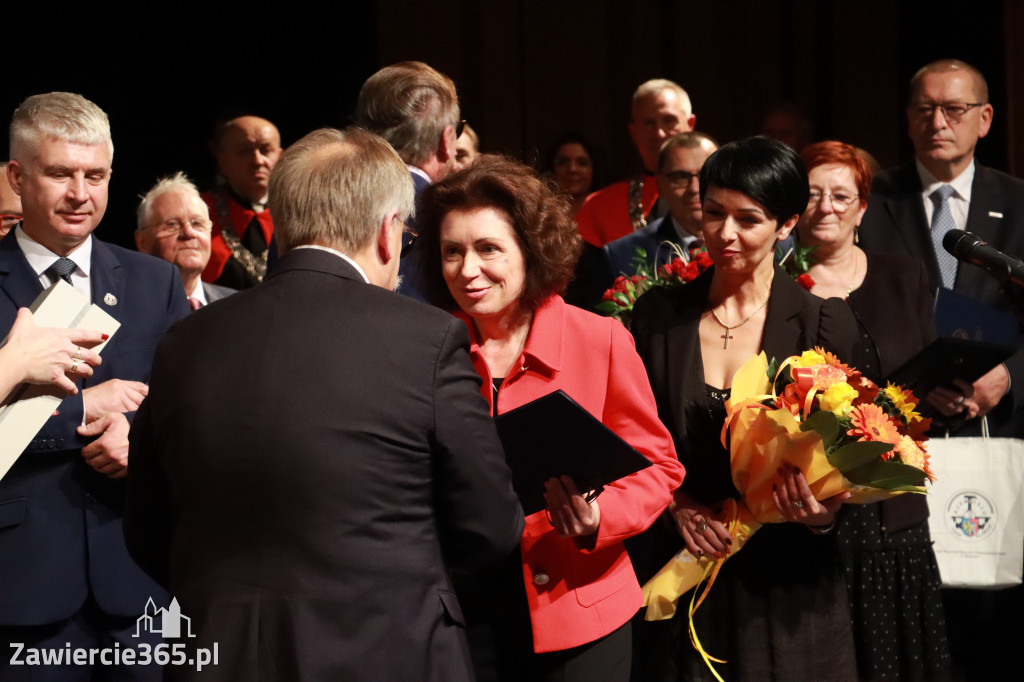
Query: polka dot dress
<point>893,582</point>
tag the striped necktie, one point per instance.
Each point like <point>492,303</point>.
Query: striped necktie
<point>942,222</point>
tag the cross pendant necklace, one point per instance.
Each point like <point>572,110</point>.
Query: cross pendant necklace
<point>728,328</point>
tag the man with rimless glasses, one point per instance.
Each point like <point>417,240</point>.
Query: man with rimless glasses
<point>914,205</point>
<point>174,224</point>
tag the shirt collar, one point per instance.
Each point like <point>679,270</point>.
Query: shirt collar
<point>41,258</point>
<point>339,254</point>
<point>961,183</point>
<point>199,293</point>
<point>420,172</point>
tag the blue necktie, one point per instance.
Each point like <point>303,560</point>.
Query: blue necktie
<point>942,222</point>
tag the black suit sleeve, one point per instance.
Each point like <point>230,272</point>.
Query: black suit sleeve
<point>147,519</point>
<point>478,513</point>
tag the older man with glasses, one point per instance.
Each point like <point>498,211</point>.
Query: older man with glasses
<point>174,224</point>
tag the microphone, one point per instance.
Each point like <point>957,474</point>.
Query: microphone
<point>972,249</point>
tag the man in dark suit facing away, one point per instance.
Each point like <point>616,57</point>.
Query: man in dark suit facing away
<point>303,496</point>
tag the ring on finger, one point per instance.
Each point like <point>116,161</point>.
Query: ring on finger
<point>701,526</point>
<point>78,354</point>
<point>74,367</point>
<point>799,504</point>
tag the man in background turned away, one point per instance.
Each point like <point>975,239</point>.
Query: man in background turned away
<point>416,109</point>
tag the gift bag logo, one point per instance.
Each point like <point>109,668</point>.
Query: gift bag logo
<point>970,515</point>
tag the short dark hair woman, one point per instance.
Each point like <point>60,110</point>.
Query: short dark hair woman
<point>778,609</point>
<point>498,246</point>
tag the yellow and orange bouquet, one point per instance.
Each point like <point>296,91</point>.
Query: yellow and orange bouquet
<point>822,416</point>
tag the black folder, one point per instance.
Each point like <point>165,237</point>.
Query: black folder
<point>946,359</point>
<point>553,436</point>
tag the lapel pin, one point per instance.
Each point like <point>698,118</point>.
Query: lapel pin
<point>995,214</point>
<point>110,299</point>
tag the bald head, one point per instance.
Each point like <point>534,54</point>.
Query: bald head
<point>247,149</point>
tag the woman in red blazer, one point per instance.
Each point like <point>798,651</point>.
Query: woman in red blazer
<point>497,246</point>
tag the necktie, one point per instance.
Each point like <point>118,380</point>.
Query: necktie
<point>942,222</point>
<point>195,303</point>
<point>63,267</point>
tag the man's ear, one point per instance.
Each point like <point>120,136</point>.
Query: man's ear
<point>15,173</point>
<point>446,146</point>
<point>385,246</point>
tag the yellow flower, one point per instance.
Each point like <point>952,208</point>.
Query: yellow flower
<point>809,358</point>
<point>904,402</point>
<point>838,398</point>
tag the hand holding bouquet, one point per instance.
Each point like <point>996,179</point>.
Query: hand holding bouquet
<point>816,416</point>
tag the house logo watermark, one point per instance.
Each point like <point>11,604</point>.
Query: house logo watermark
<point>167,622</point>
<point>170,621</point>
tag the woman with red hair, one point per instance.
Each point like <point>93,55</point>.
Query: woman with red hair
<point>886,550</point>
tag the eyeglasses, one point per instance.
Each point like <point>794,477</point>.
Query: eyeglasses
<point>407,247</point>
<point>953,111</point>
<point>173,227</point>
<point>9,220</point>
<point>459,126</point>
<point>680,178</point>
<point>840,200</point>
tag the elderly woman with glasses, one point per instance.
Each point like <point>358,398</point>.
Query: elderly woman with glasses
<point>886,551</point>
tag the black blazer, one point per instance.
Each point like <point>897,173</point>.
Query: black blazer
<point>60,521</point>
<point>895,221</point>
<point>313,454</point>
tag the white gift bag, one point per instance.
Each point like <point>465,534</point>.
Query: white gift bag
<point>976,510</point>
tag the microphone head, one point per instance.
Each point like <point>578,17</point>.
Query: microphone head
<point>959,242</point>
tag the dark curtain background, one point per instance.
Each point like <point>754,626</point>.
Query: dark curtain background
<point>527,70</point>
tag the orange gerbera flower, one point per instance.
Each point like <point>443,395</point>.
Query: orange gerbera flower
<point>913,455</point>
<point>870,422</point>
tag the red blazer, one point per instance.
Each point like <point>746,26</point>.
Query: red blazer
<point>579,595</point>
<point>604,216</point>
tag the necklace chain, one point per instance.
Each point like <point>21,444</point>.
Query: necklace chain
<point>726,336</point>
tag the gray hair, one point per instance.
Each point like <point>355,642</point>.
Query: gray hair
<point>178,182</point>
<point>335,187</point>
<point>65,116</point>
<point>688,140</point>
<point>656,86</point>
<point>408,104</point>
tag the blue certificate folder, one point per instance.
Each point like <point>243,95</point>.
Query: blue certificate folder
<point>960,317</point>
<point>553,436</point>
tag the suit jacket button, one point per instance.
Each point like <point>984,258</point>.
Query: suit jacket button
<point>541,579</point>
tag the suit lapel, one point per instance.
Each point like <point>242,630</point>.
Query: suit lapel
<point>684,363</point>
<point>781,332</point>
<point>907,213</point>
<point>987,197</point>
<point>20,283</point>
<point>107,280</point>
